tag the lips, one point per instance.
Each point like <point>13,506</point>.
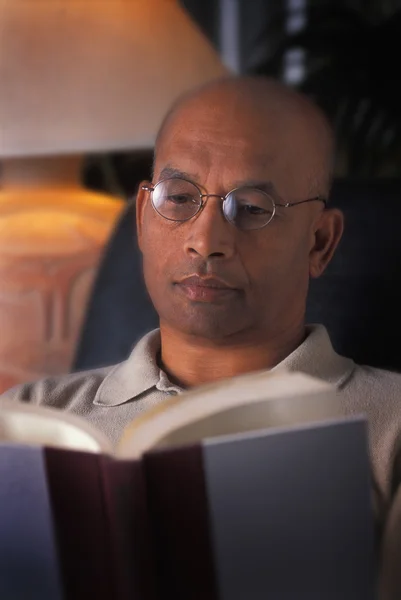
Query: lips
<point>206,282</point>
<point>205,289</point>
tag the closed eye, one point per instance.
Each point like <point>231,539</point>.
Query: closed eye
<point>180,198</point>
<point>253,210</point>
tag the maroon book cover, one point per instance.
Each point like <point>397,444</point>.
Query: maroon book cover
<point>75,486</point>
<point>101,521</point>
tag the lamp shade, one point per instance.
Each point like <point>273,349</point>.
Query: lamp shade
<point>83,76</point>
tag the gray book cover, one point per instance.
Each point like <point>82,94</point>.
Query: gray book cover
<point>291,513</point>
<point>29,568</point>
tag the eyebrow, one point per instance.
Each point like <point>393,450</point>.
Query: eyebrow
<point>171,173</point>
<point>264,186</point>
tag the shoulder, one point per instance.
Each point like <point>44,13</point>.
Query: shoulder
<point>375,390</point>
<point>376,395</point>
<point>374,381</point>
<point>62,391</point>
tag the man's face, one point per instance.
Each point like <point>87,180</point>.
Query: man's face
<point>243,284</point>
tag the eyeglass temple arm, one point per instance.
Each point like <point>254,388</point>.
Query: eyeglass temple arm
<point>316,199</point>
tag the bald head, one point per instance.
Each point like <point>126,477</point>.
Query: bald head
<point>281,125</point>
<point>274,149</point>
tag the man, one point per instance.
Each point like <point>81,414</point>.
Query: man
<point>231,229</point>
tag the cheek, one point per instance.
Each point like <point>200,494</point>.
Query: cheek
<point>277,263</point>
<point>159,246</point>
<point>154,255</point>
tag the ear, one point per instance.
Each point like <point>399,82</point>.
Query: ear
<point>327,234</point>
<point>140,204</point>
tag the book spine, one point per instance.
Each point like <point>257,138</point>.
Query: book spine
<point>128,520</point>
<point>177,501</point>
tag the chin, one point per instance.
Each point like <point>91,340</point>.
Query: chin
<point>210,321</point>
<point>209,327</point>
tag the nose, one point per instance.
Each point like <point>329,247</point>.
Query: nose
<point>210,235</point>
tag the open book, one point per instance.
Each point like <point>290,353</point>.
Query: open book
<point>249,488</point>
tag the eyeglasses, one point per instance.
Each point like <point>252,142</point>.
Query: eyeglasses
<point>247,208</point>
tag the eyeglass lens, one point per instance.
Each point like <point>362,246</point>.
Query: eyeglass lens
<point>180,200</point>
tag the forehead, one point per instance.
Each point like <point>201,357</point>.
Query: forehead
<point>197,153</point>
<point>229,142</point>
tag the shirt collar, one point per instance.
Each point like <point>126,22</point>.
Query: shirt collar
<point>316,357</point>
<point>140,373</point>
<point>135,376</point>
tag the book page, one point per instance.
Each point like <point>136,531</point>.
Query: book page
<point>26,424</point>
<point>246,403</point>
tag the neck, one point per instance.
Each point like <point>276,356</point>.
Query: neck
<point>190,361</point>
<point>42,172</point>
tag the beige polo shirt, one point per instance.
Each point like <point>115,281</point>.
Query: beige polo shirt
<point>112,397</point>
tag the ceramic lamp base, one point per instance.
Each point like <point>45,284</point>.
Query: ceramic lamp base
<point>51,241</point>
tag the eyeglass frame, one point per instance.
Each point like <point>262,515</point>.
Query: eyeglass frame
<point>202,204</point>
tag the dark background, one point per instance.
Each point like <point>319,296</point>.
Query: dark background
<point>344,54</point>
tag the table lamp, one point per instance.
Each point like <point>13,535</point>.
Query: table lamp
<point>78,77</point>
